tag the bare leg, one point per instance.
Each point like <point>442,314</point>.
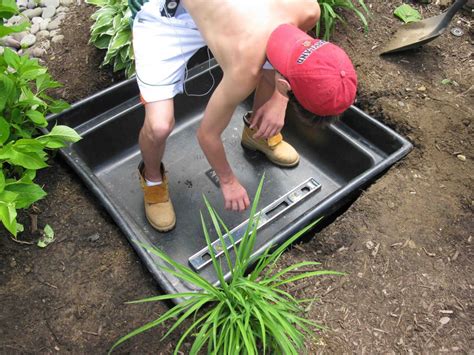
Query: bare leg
<point>264,90</point>
<point>159,122</point>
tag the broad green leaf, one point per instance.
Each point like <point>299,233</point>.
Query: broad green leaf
<point>2,181</point>
<point>8,8</point>
<point>47,238</point>
<point>37,117</point>
<point>58,106</point>
<point>28,145</point>
<point>27,160</point>
<point>33,73</point>
<point>7,88</point>
<point>11,58</point>
<point>407,13</point>
<point>27,193</point>
<point>65,133</point>
<point>4,130</point>
<point>8,217</point>
<point>6,30</point>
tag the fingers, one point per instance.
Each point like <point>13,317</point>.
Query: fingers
<point>228,204</point>
<point>255,120</point>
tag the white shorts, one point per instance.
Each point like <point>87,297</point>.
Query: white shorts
<point>162,47</point>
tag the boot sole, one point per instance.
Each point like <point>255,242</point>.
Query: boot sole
<point>289,165</point>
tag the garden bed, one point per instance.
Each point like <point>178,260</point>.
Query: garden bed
<point>406,242</point>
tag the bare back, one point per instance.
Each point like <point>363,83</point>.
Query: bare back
<point>237,31</point>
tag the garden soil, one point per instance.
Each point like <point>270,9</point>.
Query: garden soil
<point>406,243</point>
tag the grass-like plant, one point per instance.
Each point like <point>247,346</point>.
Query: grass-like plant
<point>250,314</point>
<point>330,15</point>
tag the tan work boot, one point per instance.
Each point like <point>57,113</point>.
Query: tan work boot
<point>275,148</point>
<point>158,207</point>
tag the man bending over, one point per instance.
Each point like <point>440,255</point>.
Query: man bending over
<point>242,35</point>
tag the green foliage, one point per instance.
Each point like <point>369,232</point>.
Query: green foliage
<point>24,105</point>
<point>251,314</point>
<point>407,13</point>
<point>111,31</point>
<point>330,15</point>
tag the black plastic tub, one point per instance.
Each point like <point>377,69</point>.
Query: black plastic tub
<point>336,162</point>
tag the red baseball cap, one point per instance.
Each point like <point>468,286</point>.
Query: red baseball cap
<point>320,73</point>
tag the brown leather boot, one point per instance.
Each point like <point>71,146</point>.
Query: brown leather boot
<point>158,207</point>
<point>275,148</point>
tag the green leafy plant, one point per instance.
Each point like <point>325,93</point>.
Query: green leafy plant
<point>24,105</point>
<point>407,13</point>
<point>111,31</point>
<point>250,314</point>
<point>330,15</point>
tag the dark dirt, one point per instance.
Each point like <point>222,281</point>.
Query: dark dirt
<point>406,243</point>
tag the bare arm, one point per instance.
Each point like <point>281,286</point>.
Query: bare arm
<point>230,92</point>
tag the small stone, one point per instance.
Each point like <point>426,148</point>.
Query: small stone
<point>46,44</point>
<point>16,20</point>
<point>42,35</point>
<point>31,4</point>
<point>19,36</point>
<point>44,24</point>
<point>66,2</point>
<point>94,237</point>
<point>54,33</point>
<point>57,39</point>
<point>411,244</point>
<point>46,3</point>
<point>34,28</point>
<point>36,20</point>
<point>60,15</point>
<point>9,41</point>
<point>54,25</point>
<point>22,4</point>
<point>13,262</point>
<point>461,157</point>
<point>422,88</point>
<point>48,12</point>
<point>38,52</point>
<point>62,9</point>
<point>408,89</point>
<point>401,104</point>
<point>370,245</point>
<point>33,12</point>
<point>444,320</point>
<point>28,41</point>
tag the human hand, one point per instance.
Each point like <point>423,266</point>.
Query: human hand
<point>269,119</point>
<point>235,195</point>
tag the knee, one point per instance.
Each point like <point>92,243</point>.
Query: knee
<point>158,129</point>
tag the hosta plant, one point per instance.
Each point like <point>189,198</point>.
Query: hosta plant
<point>331,14</point>
<point>111,31</point>
<point>250,314</point>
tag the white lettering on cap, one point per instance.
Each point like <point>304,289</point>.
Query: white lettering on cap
<point>310,50</point>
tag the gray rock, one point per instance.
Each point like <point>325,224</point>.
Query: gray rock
<point>54,25</point>
<point>33,12</point>
<point>57,39</point>
<point>38,52</point>
<point>28,41</point>
<point>36,20</point>
<point>15,20</point>
<point>66,2</point>
<point>62,9</point>
<point>54,33</point>
<point>61,16</point>
<point>22,4</point>
<point>42,35</point>
<point>9,41</point>
<point>31,4</point>
<point>44,24</point>
<point>48,11</point>
<point>34,28</point>
<point>2,49</point>
<point>19,36</point>
<point>45,44</point>
<point>46,3</point>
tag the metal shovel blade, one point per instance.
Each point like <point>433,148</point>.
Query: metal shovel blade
<point>415,34</point>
